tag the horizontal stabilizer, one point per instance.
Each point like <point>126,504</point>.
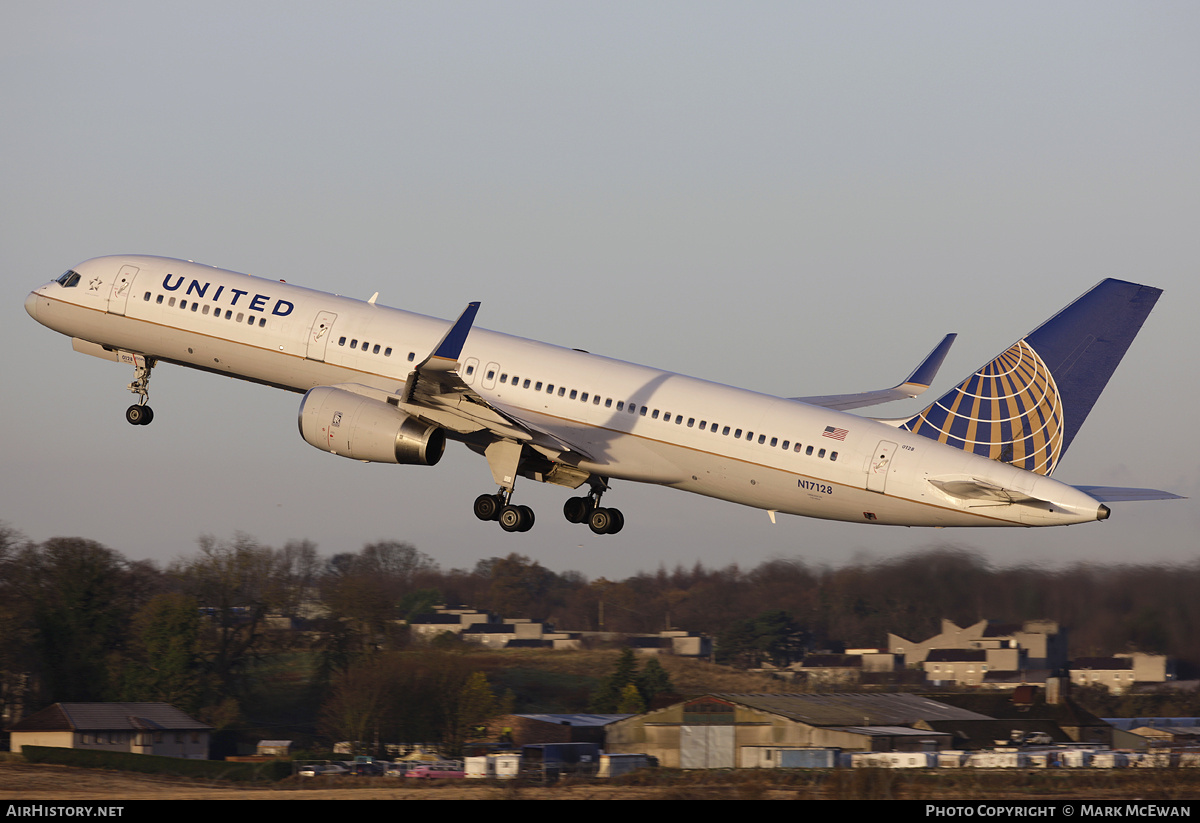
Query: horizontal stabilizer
<point>1116,494</point>
<point>915,384</point>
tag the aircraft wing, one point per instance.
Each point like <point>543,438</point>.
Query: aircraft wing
<point>913,385</point>
<point>435,392</point>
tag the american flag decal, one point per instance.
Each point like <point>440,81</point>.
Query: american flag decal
<point>835,434</point>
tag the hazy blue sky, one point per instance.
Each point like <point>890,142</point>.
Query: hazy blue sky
<point>799,198</point>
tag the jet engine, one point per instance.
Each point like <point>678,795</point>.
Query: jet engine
<point>362,428</point>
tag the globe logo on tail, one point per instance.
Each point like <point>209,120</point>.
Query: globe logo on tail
<point>1009,410</point>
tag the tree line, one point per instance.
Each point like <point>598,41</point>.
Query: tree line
<point>82,623</point>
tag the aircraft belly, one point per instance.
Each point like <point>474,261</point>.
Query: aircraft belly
<point>764,487</point>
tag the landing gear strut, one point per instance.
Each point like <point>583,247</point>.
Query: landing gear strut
<point>140,414</point>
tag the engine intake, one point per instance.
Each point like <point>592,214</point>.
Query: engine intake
<point>361,428</point>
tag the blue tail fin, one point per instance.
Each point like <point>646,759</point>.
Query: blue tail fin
<point>1025,406</point>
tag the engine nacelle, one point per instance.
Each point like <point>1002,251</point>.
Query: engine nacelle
<point>361,428</point>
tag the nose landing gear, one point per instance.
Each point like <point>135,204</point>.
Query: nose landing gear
<point>141,414</point>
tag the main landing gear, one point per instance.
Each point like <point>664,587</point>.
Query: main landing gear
<point>139,414</point>
<point>588,510</point>
<point>496,507</point>
<point>505,459</point>
<point>577,510</point>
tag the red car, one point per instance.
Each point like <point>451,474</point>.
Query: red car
<point>437,770</point>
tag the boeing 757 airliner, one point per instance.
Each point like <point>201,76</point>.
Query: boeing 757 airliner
<point>382,384</point>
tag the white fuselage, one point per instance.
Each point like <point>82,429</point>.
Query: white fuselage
<point>636,423</point>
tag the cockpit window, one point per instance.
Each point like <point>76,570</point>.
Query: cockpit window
<point>69,279</point>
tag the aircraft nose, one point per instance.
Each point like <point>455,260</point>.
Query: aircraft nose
<point>31,304</point>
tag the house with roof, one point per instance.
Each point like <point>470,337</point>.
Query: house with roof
<point>1034,644</point>
<point>139,728</point>
<point>1121,671</point>
<point>1142,733</point>
<point>489,630</point>
<point>710,731</point>
<point>525,729</point>
<point>1028,708</point>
